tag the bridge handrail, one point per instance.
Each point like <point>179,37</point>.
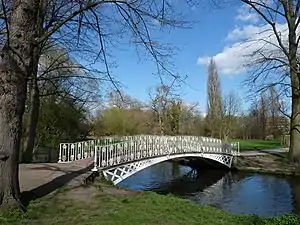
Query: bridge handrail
<point>115,147</point>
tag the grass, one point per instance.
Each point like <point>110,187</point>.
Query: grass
<point>143,208</point>
<point>253,144</point>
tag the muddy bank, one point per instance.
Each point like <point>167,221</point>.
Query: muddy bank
<point>269,163</point>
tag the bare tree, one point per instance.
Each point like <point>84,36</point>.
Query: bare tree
<point>191,121</point>
<point>117,98</point>
<point>28,24</point>
<point>253,120</point>
<point>231,108</point>
<point>275,62</point>
<point>161,99</point>
<point>214,100</point>
<point>159,104</point>
<point>274,106</point>
<point>263,115</point>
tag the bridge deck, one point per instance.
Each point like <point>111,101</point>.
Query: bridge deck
<point>38,175</point>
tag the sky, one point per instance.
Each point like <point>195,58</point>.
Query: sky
<point>219,34</point>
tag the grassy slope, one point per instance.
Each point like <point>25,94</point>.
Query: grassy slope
<point>144,208</point>
<point>258,144</point>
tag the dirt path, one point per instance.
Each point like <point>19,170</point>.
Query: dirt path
<point>263,152</point>
<point>38,180</point>
<point>38,174</point>
<point>266,161</point>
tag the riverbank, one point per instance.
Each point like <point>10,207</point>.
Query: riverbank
<point>272,163</point>
<point>105,204</point>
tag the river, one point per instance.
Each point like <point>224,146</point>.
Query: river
<point>234,192</point>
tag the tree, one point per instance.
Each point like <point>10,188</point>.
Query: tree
<point>230,112</point>
<point>119,99</point>
<point>214,101</point>
<point>174,114</point>
<point>274,107</point>
<point>122,117</point>
<point>60,119</point>
<point>161,99</point>
<point>191,121</point>
<point>258,117</point>
<point>28,24</point>
<point>179,118</point>
<point>58,74</point>
<point>243,127</point>
<point>63,98</point>
<point>262,115</point>
<point>253,121</point>
<point>275,63</point>
<point>159,106</point>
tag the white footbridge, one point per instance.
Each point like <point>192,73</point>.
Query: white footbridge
<point>120,157</point>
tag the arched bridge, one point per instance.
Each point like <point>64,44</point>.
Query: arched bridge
<point>119,158</point>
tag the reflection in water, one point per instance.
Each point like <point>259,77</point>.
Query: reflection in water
<point>234,192</point>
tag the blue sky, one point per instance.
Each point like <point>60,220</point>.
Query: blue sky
<point>217,34</point>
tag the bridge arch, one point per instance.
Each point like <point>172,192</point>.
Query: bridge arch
<point>118,173</point>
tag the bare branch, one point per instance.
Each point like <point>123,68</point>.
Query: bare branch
<point>254,4</point>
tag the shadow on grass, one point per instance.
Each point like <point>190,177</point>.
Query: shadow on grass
<point>53,185</point>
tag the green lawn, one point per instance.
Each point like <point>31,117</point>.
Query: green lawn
<point>144,208</point>
<point>258,144</point>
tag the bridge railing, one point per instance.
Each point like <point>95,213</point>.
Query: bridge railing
<point>236,148</point>
<point>85,149</point>
<point>110,150</point>
<point>82,150</point>
<point>143,147</point>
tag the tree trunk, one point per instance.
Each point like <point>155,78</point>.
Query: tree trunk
<point>33,116</point>
<point>15,67</point>
<point>294,151</point>
<point>34,95</point>
<point>34,103</point>
<point>161,125</point>
<point>12,102</point>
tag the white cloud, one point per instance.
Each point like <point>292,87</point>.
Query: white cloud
<point>246,14</point>
<point>229,61</point>
<point>241,44</point>
<point>245,32</point>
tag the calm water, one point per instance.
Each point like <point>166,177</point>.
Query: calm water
<point>263,195</point>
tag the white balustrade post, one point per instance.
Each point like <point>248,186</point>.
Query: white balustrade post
<point>238,148</point>
<point>59,156</point>
<point>95,169</point>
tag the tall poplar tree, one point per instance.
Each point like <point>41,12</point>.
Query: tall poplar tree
<point>214,101</point>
